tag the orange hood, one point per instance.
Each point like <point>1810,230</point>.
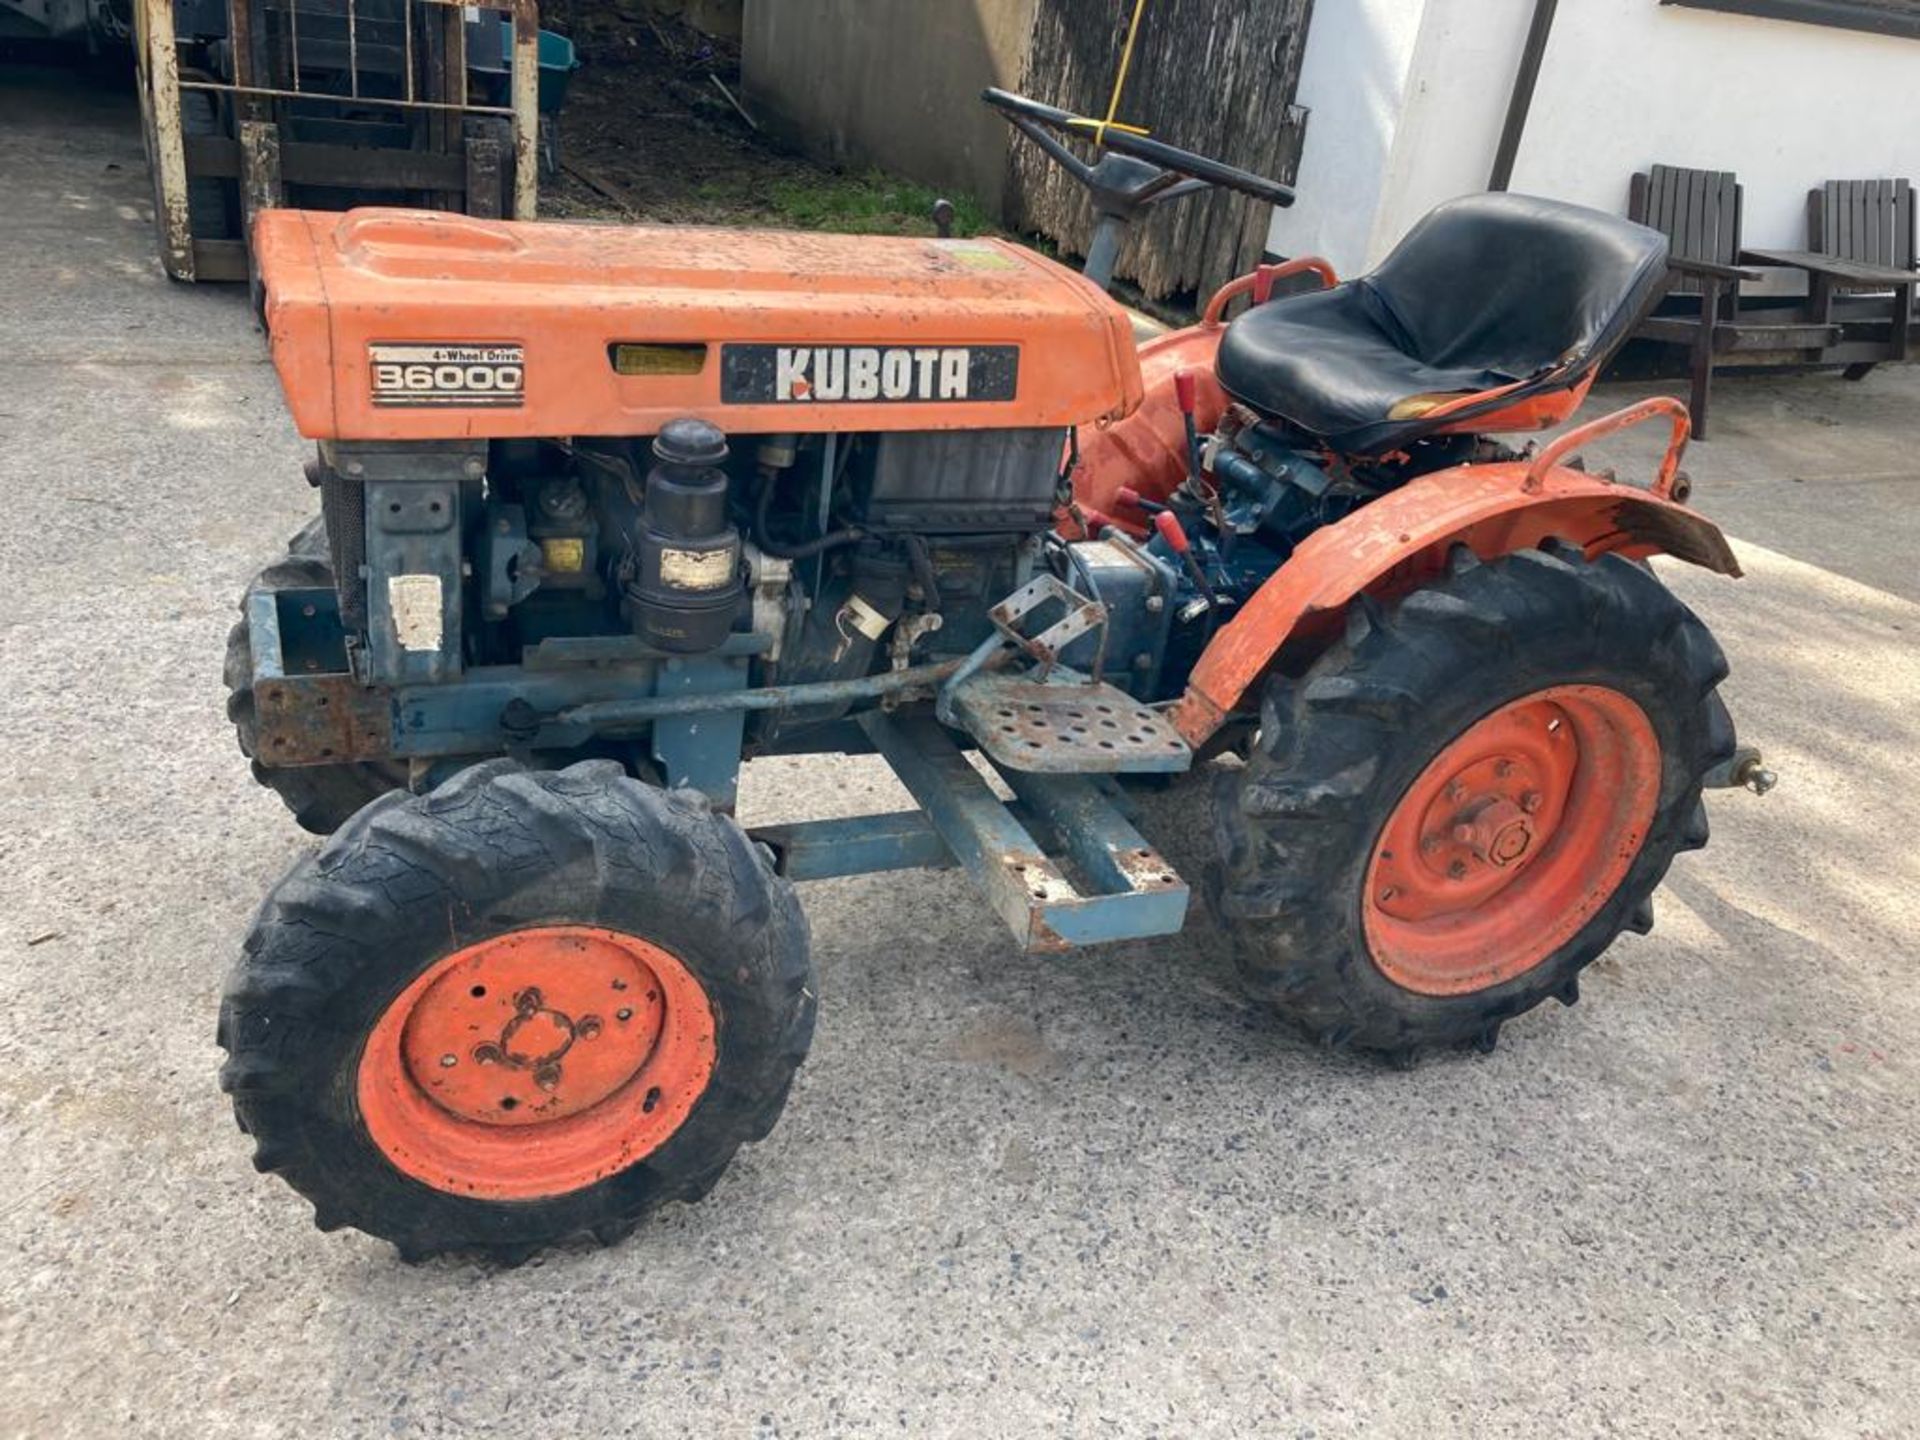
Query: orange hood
<point>419,325</point>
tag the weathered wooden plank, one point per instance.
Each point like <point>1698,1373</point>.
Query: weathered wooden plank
<point>1216,77</point>
<point>1904,254</point>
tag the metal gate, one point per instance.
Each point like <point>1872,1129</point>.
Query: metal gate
<point>249,104</point>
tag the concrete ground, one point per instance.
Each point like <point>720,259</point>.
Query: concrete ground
<point>1011,1197</point>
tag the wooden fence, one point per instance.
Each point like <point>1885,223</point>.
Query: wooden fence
<point>1212,76</point>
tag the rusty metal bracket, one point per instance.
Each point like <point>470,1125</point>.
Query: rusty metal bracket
<point>1132,892</point>
<point>1080,616</point>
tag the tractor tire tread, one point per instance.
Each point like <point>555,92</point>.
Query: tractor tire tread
<point>495,848</point>
<point>1338,745</point>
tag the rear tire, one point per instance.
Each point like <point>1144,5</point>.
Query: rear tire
<point>1350,760</point>
<point>529,880</point>
<point>321,797</point>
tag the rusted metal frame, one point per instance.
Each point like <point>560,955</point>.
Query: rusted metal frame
<point>481,173</point>
<point>317,719</point>
<point>860,845</point>
<point>259,169</point>
<point>450,83</point>
<point>293,44</point>
<point>169,146</point>
<point>259,189</point>
<point>526,109</point>
<point>247,47</point>
<point>316,163</point>
<point>277,93</point>
<point>1039,903</point>
<point>1113,855</point>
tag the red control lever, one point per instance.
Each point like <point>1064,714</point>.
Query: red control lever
<point>1095,520</point>
<point>1170,531</point>
<point>1187,394</point>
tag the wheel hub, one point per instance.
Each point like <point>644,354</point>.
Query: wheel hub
<point>1511,839</point>
<point>530,1028</point>
<point>536,1062</point>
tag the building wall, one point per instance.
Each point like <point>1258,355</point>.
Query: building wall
<point>895,84</point>
<point>1625,83</point>
<point>1353,81</point>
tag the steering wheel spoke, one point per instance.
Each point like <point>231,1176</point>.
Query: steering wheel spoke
<point>1033,119</point>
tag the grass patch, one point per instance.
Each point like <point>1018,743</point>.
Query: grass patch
<point>873,203</point>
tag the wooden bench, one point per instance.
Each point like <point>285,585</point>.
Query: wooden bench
<point>1861,263</point>
<point>1699,212</point>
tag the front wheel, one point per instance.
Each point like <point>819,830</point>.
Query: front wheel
<point>1464,802</point>
<point>527,1006</point>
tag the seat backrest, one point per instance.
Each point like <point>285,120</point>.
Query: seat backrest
<point>1871,221</point>
<point>1697,210</point>
<point>1514,284</point>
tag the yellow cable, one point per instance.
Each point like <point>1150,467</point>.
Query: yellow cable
<point>1120,80</point>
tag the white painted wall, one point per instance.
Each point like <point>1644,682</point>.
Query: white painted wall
<point>1353,77</point>
<point>1625,83</point>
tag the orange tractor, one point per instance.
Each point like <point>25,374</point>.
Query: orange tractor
<point>608,511</point>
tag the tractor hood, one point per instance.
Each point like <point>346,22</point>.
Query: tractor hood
<point>419,325</point>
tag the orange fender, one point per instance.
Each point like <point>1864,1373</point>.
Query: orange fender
<point>1401,540</point>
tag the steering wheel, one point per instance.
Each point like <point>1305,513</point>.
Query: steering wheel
<point>1136,173</point>
<point>1180,172</point>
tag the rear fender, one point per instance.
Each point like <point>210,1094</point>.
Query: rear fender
<point>1402,540</point>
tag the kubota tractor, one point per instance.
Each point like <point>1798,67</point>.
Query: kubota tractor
<point>608,511</point>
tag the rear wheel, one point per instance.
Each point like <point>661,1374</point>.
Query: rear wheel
<point>527,1006</point>
<point>1462,804</point>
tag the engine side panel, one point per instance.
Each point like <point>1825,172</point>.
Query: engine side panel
<point>418,325</point>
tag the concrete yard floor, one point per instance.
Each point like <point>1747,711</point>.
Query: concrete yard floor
<point>1011,1197</point>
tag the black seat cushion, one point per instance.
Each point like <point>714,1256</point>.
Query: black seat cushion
<point>1485,291</point>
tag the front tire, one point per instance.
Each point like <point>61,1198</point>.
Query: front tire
<point>1463,803</point>
<point>527,1006</point>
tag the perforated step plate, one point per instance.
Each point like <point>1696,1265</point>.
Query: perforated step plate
<point>1067,728</point>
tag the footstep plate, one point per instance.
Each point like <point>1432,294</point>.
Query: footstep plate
<point>1066,729</point>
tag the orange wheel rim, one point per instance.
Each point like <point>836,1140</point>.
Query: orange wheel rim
<point>537,1062</point>
<point>1511,840</point>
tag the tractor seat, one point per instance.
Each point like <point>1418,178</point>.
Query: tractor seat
<point>1486,291</point>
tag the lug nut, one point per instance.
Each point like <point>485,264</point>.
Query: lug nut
<point>1457,870</point>
<point>447,1062</point>
<point>1530,802</point>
